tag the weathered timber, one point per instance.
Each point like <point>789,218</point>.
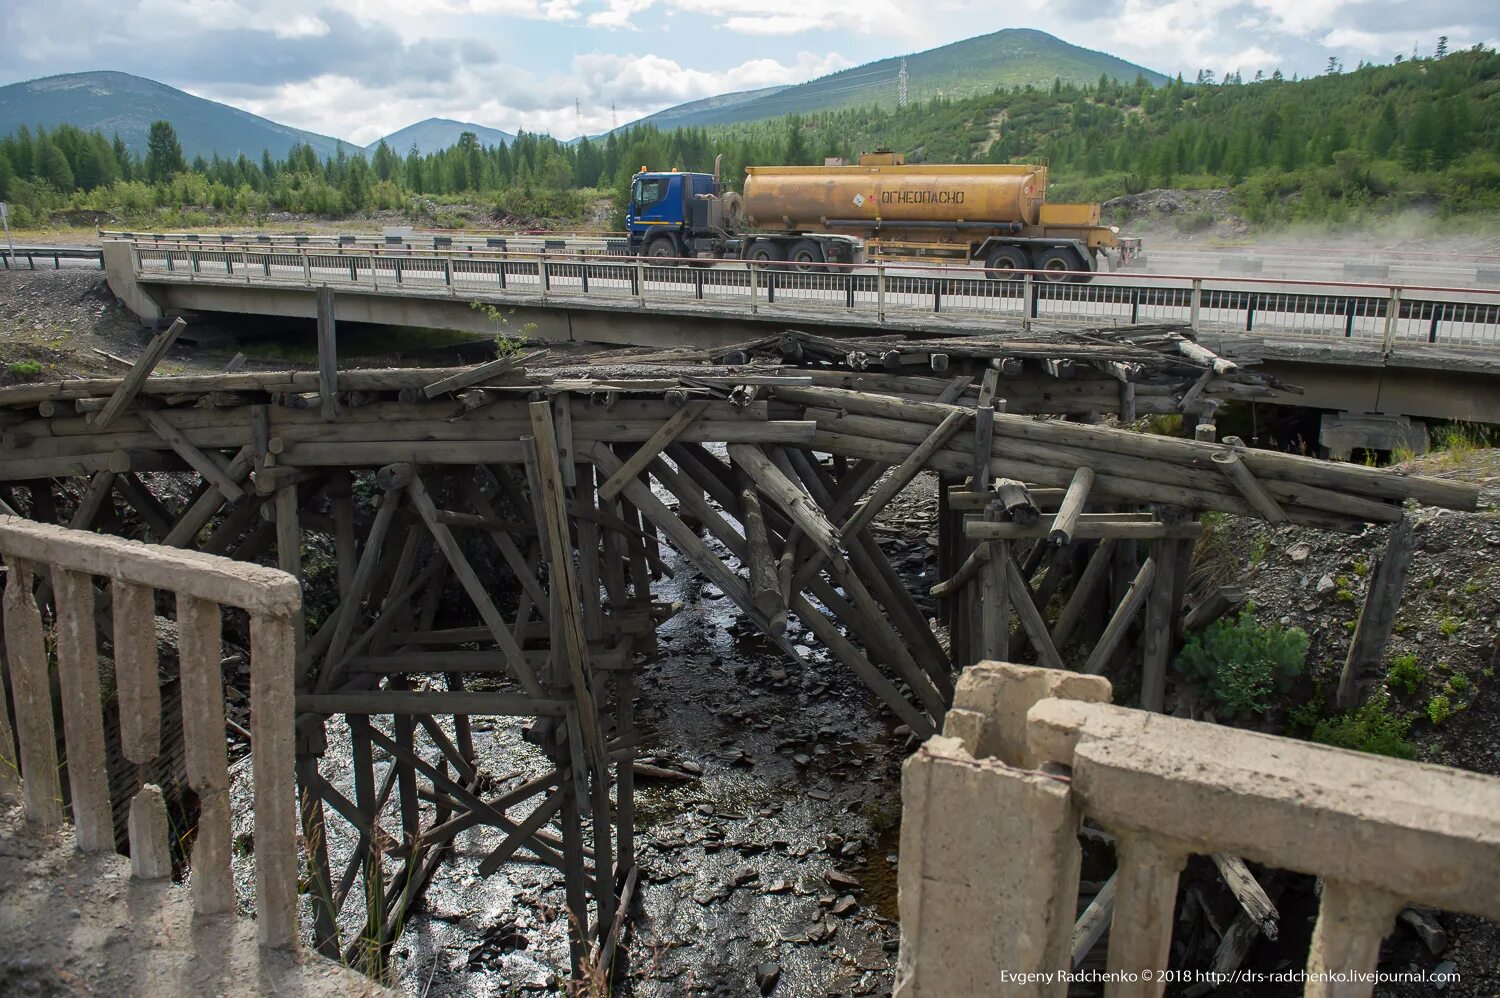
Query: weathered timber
<point>1124,615</point>
<point>1073,503</point>
<point>654,445</point>
<point>128,387</point>
<point>1378,615</point>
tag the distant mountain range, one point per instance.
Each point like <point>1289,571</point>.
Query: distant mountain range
<point>437,134</point>
<point>118,102</point>
<point>1008,58</point>
<point>112,102</point>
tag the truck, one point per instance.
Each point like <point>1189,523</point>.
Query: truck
<point>993,216</point>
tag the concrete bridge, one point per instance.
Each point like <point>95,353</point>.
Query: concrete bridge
<point>1359,349</point>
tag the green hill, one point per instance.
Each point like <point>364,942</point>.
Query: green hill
<point>113,103</point>
<point>1014,57</point>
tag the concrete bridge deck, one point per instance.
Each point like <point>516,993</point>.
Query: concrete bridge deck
<point>1362,348</point>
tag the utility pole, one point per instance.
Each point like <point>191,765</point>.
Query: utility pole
<point>902,96</point>
<point>614,119</point>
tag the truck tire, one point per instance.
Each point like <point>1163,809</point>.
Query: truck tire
<point>1004,261</point>
<point>766,251</point>
<point>663,248</point>
<point>805,253</point>
<point>1058,263</point>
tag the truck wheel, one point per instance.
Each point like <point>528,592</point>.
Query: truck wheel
<point>1058,264</point>
<point>766,251</point>
<point>662,248</point>
<point>1003,262</point>
<point>805,253</point>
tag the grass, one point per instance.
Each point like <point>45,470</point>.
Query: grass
<point>26,368</point>
<point>1457,442</point>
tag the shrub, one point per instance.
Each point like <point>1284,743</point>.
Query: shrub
<point>1405,673</point>
<point>1243,664</point>
<point>1372,728</point>
<point>1439,709</point>
<point>26,368</point>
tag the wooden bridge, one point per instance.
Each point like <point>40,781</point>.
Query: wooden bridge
<point>496,531</point>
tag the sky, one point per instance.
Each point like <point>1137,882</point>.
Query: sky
<point>360,69</point>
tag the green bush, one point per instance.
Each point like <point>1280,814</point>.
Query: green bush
<point>26,368</point>
<point>1439,709</point>
<point>1243,664</point>
<point>1372,728</point>
<point>1405,673</point>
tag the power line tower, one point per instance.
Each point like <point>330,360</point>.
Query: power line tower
<point>902,97</point>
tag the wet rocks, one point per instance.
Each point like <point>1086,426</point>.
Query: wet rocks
<point>767,975</point>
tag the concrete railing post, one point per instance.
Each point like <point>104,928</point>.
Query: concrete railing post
<point>1392,319</point>
<point>31,691</point>
<point>543,277</point>
<point>1028,299</point>
<point>306,268</point>
<point>754,286</point>
<point>272,654</point>
<point>1352,921</point>
<point>1145,898</point>
<point>1197,304</point>
<point>880,292</point>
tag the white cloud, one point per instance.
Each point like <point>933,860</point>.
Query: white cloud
<point>505,97</point>
<point>302,26</point>
<point>783,17</point>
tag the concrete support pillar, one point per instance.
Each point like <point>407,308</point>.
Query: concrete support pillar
<point>988,877</point>
<point>1351,923</point>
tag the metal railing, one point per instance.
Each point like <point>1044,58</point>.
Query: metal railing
<point>57,254</point>
<point>1379,315</point>
<point>202,585</point>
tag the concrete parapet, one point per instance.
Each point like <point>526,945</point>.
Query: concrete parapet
<point>988,862</point>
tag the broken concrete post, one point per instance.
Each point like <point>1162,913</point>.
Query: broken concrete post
<point>150,858</point>
<point>976,833</point>
<point>1001,693</point>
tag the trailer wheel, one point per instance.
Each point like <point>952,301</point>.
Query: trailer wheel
<point>1060,264</point>
<point>805,253</point>
<point>662,248</point>
<point>1003,262</point>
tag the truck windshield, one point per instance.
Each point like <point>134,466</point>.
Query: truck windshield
<point>650,190</point>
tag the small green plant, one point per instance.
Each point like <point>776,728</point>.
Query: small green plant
<point>506,344</point>
<point>26,368</point>
<point>1459,440</point>
<point>1448,626</point>
<point>1439,708</point>
<point>1243,664</point>
<point>1472,586</point>
<point>1405,674</point>
<point>1361,567</point>
<point>1259,550</point>
<point>1457,683</point>
<point>1372,728</point>
<point>1487,673</point>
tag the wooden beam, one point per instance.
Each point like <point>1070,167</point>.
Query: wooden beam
<point>470,376</point>
<point>1073,503</point>
<point>1249,486</point>
<point>1031,618</point>
<point>328,356</point>
<point>654,445</point>
<point>1087,530</point>
<point>131,384</point>
<point>901,476</point>
<point>1378,615</point>
<point>212,468</point>
<point>1124,615</point>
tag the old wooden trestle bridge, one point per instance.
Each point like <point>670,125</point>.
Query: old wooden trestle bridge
<point>542,489</point>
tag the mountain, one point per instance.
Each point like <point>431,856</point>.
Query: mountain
<point>437,134</point>
<point>118,102</point>
<point>1008,58</point>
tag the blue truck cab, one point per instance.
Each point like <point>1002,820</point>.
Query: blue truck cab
<point>665,216</point>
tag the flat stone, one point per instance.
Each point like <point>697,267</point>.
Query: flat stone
<point>845,905</point>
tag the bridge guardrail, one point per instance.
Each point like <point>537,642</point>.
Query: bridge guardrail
<point>1378,314</point>
<point>202,584</point>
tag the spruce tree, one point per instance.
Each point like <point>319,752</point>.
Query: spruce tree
<point>163,153</point>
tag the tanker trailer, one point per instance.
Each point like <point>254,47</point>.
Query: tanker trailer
<point>993,214</point>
